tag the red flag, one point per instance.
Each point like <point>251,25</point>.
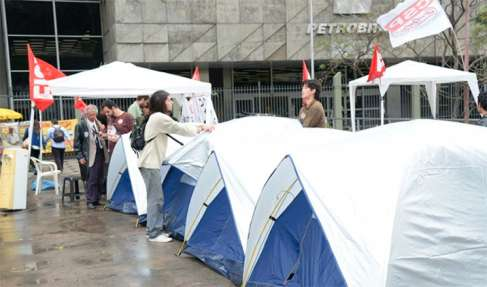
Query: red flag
<point>39,73</point>
<point>306,76</point>
<point>79,104</point>
<point>377,66</point>
<point>196,74</point>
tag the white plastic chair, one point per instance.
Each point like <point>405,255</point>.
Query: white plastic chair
<point>46,169</point>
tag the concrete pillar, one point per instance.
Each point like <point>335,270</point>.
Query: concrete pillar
<point>393,102</point>
<point>416,102</point>
<point>204,73</point>
<point>228,93</point>
<point>4,101</point>
<point>337,101</point>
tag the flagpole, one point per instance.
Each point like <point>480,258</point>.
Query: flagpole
<point>31,127</point>
<point>382,107</point>
<point>311,40</point>
<point>40,136</point>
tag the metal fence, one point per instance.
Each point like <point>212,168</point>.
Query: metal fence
<point>285,101</point>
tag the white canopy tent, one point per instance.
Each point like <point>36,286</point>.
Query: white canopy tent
<point>123,80</point>
<point>414,73</point>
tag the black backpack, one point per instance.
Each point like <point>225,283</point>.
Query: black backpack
<point>137,140</point>
<point>58,135</point>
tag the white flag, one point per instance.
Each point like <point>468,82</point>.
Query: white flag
<point>414,19</point>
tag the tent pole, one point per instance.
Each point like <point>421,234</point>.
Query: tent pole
<point>382,110</point>
<point>181,248</point>
<point>352,107</point>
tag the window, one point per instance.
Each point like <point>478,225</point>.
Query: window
<point>29,17</point>
<point>43,47</point>
<point>78,18</point>
<point>80,53</point>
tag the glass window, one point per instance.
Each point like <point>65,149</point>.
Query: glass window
<point>249,76</point>
<point>43,47</point>
<point>78,18</point>
<point>29,17</point>
<point>287,74</point>
<point>80,53</point>
<point>20,83</point>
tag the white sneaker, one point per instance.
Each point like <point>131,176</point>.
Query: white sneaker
<point>167,234</point>
<point>161,238</point>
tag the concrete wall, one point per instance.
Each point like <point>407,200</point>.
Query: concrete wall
<point>172,31</point>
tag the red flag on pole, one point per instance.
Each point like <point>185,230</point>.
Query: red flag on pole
<point>377,66</point>
<point>39,73</point>
<point>196,74</point>
<point>306,75</point>
<point>79,104</point>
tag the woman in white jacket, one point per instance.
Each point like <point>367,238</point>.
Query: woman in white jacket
<point>159,124</point>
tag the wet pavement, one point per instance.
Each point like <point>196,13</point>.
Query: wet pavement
<point>53,245</point>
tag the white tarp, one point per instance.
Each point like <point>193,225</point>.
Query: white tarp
<point>415,73</point>
<point>124,80</point>
<point>400,205</point>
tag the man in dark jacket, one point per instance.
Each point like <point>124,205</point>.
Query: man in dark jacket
<point>92,153</point>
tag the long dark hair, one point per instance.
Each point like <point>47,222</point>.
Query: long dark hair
<point>157,102</point>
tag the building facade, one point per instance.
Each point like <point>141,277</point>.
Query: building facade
<point>250,50</point>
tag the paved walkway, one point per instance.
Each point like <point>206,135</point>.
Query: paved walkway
<point>53,245</point>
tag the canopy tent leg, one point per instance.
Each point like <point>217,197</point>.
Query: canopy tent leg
<point>382,110</point>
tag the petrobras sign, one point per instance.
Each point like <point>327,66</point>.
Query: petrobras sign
<point>344,28</point>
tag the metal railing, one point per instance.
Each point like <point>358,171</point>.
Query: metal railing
<point>285,101</point>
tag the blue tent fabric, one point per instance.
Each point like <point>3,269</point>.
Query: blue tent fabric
<point>123,198</point>
<point>177,195</point>
<point>215,240</point>
<point>46,185</point>
<point>306,258</point>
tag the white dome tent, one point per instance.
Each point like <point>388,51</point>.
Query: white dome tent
<point>225,194</point>
<point>182,170</point>
<point>398,205</point>
<point>413,73</point>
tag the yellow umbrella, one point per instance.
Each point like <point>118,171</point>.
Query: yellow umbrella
<point>6,115</point>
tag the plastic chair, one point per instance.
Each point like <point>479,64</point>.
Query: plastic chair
<point>46,169</point>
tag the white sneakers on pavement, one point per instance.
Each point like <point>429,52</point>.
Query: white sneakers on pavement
<point>162,238</point>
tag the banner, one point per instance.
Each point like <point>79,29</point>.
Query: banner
<point>39,73</point>
<point>305,74</point>
<point>377,66</point>
<point>12,134</point>
<point>414,19</point>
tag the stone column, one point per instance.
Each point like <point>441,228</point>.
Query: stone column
<point>337,102</point>
<point>204,73</point>
<point>228,93</point>
<point>393,102</point>
<point>416,102</point>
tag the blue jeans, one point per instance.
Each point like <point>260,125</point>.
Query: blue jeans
<point>155,219</point>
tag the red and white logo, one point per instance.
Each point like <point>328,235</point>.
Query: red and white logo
<point>39,73</point>
<point>414,16</point>
<point>414,19</point>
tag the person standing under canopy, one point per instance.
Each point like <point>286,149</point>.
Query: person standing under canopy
<point>119,123</point>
